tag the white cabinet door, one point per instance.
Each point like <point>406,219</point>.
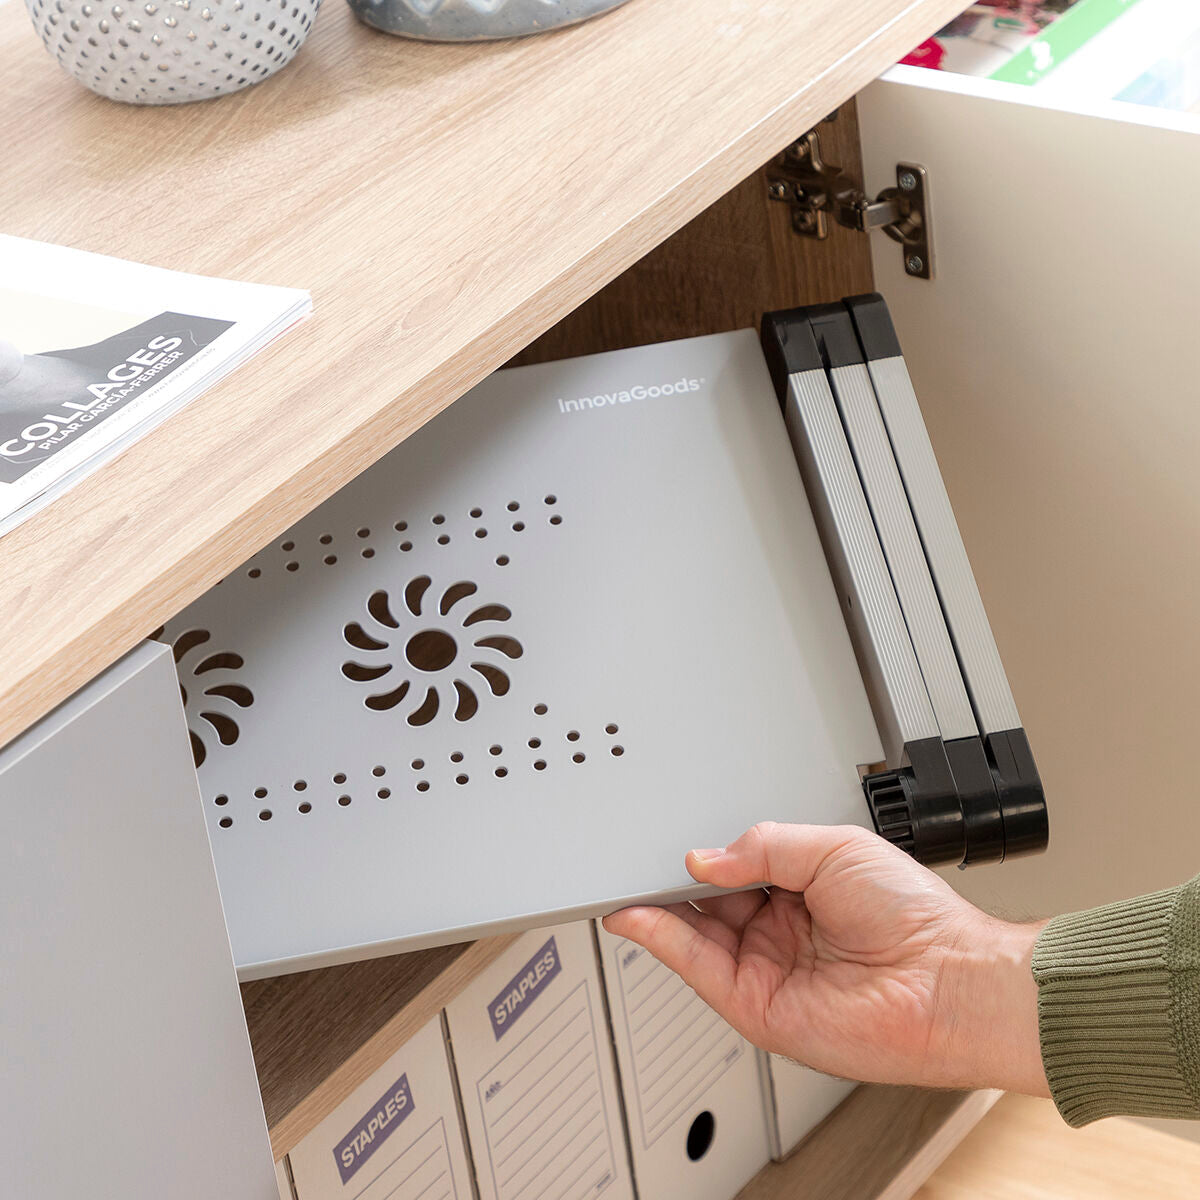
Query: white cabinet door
<point>1057,359</point>
<point>125,1068</point>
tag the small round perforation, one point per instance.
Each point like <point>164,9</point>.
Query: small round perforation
<point>551,748</point>
<point>442,529</point>
<point>421,643</point>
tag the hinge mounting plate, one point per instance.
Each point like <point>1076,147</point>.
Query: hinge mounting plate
<point>815,190</point>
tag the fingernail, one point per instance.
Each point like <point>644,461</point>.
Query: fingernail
<point>708,855</point>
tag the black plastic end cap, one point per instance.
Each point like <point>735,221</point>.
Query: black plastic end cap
<point>789,347</point>
<point>873,323</point>
<point>834,331</point>
<point>889,801</point>
<point>962,802</point>
<point>815,338</point>
<point>983,821</point>
<point>917,807</point>
<point>1022,799</point>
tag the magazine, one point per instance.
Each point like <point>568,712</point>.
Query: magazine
<point>96,351</point>
<point>1015,41</point>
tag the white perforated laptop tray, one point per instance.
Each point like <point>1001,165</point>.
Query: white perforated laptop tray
<point>576,625</point>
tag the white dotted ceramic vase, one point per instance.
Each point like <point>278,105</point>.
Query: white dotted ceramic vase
<point>171,51</point>
<point>475,20</point>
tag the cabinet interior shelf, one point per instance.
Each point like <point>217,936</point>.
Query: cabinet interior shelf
<point>319,1034</point>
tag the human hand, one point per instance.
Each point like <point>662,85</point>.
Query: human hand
<point>857,961</point>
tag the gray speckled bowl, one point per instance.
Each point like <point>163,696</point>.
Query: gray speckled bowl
<point>172,51</point>
<point>475,20</point>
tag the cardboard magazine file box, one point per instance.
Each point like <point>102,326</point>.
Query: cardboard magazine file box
<point>797,1100</point>
<point>595,612</point>
<point>398,1135</point>
<point>535,1071</point>
<point>691,1084</point>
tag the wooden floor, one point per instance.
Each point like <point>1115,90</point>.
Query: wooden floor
<point>1023,1151</point>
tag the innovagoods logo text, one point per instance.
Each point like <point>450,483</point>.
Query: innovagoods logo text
<point>626,396</point>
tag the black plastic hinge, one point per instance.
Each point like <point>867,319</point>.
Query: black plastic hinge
<point>917,807</point>
<point>964,802</point>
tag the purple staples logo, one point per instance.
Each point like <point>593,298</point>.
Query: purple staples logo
<point>374,1128</point>
<point>524,987</point>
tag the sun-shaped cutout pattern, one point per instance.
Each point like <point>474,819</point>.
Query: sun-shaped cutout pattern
<point>429,652</point>
<point>213,697</point>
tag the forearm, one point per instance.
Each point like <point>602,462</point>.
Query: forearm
<point>988,1012</point>
<point>1119,1000</point>
<point>1098,1009</point>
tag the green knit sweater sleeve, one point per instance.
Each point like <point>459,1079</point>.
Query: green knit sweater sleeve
<point>1119,1007</point>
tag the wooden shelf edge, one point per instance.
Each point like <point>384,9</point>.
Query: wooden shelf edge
<point>881,1143</point>
<point>433,994</point>
<point>147,533</point>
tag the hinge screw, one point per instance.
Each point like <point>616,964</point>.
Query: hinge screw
<point>777,189</point>
<point>915,264</point>
<point>907,181</point>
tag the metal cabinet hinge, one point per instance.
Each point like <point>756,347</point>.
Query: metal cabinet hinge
<point>816,190</point>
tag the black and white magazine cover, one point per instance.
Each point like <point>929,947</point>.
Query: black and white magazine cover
<point>94,351</point>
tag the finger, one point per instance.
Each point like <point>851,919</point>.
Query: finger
<point>735,910</point>
<point>787,856</point>
<point>782,934</point>
<point>707,968</point>
<point>708,925</point>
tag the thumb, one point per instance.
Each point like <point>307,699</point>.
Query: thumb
<point>785,856</point>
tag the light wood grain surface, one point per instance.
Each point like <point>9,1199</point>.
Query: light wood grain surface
<point>1022,1150</point>
<point>318,1035</point>
<point>445,205</point>
<point>738,259</point>
<point>881,1143</point>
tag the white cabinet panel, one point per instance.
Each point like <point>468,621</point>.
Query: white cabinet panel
<point>1057,364</point>
<point>126,1071</point>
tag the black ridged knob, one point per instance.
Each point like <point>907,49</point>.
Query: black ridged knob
<point>891,808</point>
